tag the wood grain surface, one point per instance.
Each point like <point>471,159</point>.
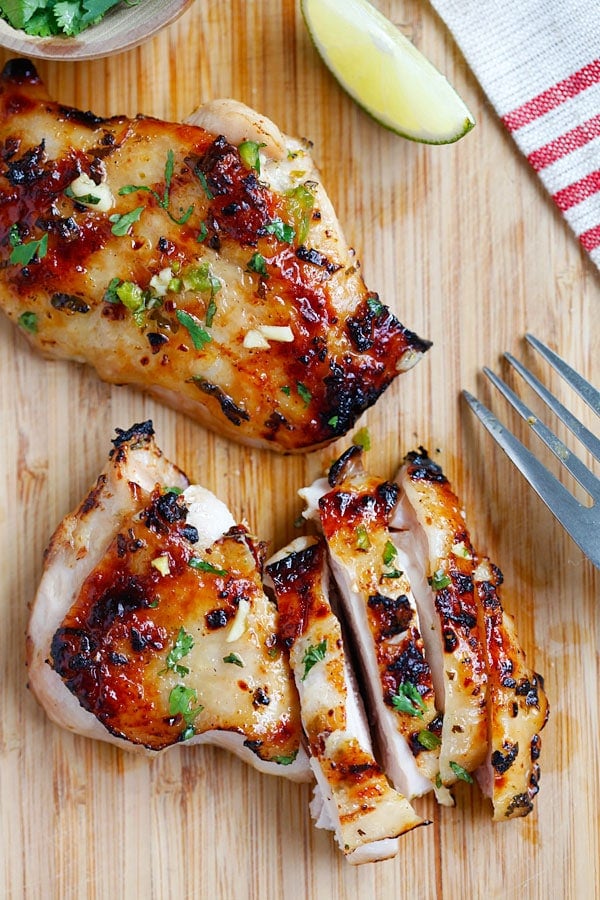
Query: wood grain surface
<point>464,244</point>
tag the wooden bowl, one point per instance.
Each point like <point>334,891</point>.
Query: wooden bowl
<point>121,29</point>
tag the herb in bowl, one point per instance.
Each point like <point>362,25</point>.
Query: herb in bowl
<point>44,18</point>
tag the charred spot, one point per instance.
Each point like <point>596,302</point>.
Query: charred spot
<point>66,229</point>
<point>260,697</point>
<point>519,802</point>
<point>20,71</point>
<point>503,759</point>
<point>453,611</point>
<point>411,666</point>
<point>388,492</point>
<point>528,690</point>
<point>71,650</point>
<point>87,118</point>
<point>128,543</point>
<point>309,255</point>
<point>337,470</point>
<point>536,747</point>
<point>253,745</point>
<point>123,597</point>
<point>165,509</point>
<point>393,614</point>
<point>118,659</point>
<point>231,209</point>
<point>91,501</point>
<point>463,583</point>
<point>156,340</point>
<point>423,468</point>
<point>10,148</point>
<point>190,533</point>
<point>139,641</point>
<point>348,393</point>
<point>216,618</point>
<point>295,568</point>
<point>139,435</point>
<point>29,168</point>
<point>450,640</point>
<point>164,245</point>
<point>69,303</point>
<point>534,780</point>
<point>276,421</point>
<point>229,408</point>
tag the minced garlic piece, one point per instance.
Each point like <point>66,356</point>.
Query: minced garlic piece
<point>162,564</point>
<point>160,283</point>
<point>83,187</point>
<point>258,338</point>
<point>238,626</point>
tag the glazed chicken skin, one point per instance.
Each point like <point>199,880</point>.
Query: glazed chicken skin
<point>352,796</point>
<point>201,262</point>
<point>353,510</point>
<point>151,627</point>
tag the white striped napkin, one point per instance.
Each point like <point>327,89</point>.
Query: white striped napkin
<point>539,63</point>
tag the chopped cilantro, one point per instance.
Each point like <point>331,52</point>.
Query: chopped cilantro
<point>300,202</point>
<point>122,223</point>
<point>286,390</point>
<point>203,566</point>
<point>389,553</point>
<point>14,237</point>
<point>22,254</point>
<point>182,646</point>
<point>235,659</point>
<point>163,201</point>
<point>257,263</point>
<point>210,312</point>
<point>428,739</point>
<point>281,230</point>
<point>286,760</point>
<point>202,233</point>
<point>460,772</point>
<point>250,154</point>
<point>28,321</point>
<point>313,655</point>
<point>439,580</point>
<point>407,699</point>
<point>362,438</point>
<point>202,179</point>
<point>375,305</point>
<point>199,336</point>
<point>362,538</point>
<point>181,699</point>
<point>303,392</point>
<point>333,421</point>
<point>110,294</point>
<point>86,199</point>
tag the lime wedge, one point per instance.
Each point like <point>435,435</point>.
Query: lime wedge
<point>384,73</point>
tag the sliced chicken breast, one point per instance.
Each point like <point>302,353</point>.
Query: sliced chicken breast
<point>517,708</point>
<point>440,561</point>
<point>352,796</point>
<point>151,627</point>
<point>201,262</point>
<point>353,511</point>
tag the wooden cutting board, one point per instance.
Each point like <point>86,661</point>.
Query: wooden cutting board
<point>464,244</point>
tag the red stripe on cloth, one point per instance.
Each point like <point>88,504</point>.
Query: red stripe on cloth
<point>578,191</point>
<point>565,144</point>
<point>590,239</point>
<point>553,97</point>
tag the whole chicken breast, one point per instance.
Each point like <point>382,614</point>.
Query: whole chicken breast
<point>517,707</point>
<point>352,796</point>
<point>430,528</point>
<point>353,510</point>
<point>201,262</point>
<point>151,627</point>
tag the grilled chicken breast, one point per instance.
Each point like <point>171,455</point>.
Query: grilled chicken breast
<point>353,511</point>
<point>440,562</point>
<point>151,626</point>
<point>352,796</point>
<point>517,707</point>
<point>203,263</point>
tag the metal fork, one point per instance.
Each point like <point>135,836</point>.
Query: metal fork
<point>581,522</point>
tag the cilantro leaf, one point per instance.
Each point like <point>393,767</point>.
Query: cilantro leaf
<point>198,334</point>
<point>313,655</point>
<point>122,224</point>
<point>181,647</point>
<point>407,699</point>
<point>203,566</point>
<point>22,254</point>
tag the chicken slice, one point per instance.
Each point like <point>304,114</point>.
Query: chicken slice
<point>517,708</point>
<point>352,796</point>
<point>440,562</point>
<point>353,510</point>
<point>151,626</point>
<point>201,262</point>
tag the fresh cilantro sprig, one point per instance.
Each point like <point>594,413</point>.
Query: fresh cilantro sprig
<point>43,18</point>
<point>181,647</point>
<point>407,699</point>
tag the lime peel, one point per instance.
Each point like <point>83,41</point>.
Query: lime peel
<point>384,72</point>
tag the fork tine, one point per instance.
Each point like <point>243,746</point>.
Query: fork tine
<point>577,382</point>
<point>561,503</point>
<point>587,438</point>
<point>575,466</point>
